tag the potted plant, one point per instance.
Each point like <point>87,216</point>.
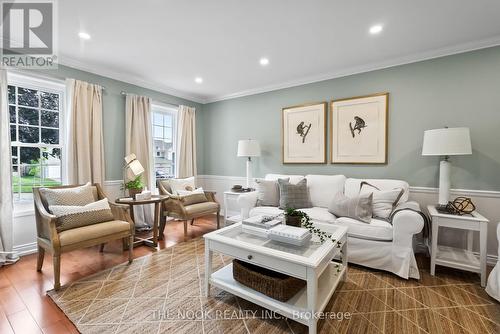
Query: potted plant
<point>301,219</point>
<point>135,186</point>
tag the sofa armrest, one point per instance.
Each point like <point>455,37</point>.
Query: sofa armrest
<point>246,202</point>
<point>406,222</point>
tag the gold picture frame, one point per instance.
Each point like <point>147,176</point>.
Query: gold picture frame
<point>359,129</point>
<point>304,133</point>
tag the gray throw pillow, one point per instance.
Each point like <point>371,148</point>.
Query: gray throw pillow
<point>80,196</point>
<point>268,192</point>
<point>359,208</point>
<point>294,196</point>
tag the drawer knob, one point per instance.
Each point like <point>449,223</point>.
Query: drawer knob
<point>249,257</point>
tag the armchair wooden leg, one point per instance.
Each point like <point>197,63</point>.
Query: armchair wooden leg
<point>56,259</point>
<point>185,228</point>
<point>39,261</point>
<point>192,221</point>
<point>101,248</point>
<point>163,222</point>
<point>131,249</point>
<point>218,219</point>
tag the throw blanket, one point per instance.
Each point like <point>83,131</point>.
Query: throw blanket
<point>411,207</point>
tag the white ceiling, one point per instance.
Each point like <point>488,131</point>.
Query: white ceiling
<point>164,45</point>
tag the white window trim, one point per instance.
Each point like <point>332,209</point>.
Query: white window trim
<point>23,207</point>
<point>163,108</point>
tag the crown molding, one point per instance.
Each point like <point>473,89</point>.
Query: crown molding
<point>414,58</point>
<point>131,79</point>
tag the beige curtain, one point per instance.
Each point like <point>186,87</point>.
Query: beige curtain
<point>85,145</point>
<point>138,140</point>
<point>186,142</point>
<point>6,255</point>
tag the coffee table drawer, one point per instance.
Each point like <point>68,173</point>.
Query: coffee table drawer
<point>262,260</point>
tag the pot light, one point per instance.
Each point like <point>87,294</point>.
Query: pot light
<point>198,80</point>
<point>376,29</point>
<point>264,61</point>
<point>84,35</point>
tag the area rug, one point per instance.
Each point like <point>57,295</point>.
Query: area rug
<point>162,293</point>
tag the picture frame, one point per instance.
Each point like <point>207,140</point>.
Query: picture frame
<point>303,130</point>
<point>359,129</point>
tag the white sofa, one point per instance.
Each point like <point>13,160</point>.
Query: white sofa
<point>379,244</point>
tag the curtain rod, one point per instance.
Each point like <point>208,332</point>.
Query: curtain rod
<point>168,103</point>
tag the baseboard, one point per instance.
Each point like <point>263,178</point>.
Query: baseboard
<point>26,249</point>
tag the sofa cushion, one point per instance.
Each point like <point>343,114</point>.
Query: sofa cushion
<point>268,192</point>
<point>315,213</point>
<point>353,186</point>
<point>376,230</point>
<point>295,196</point>
<point>69,217</point>
<point>323,188</point>
<point>90,232</point>
<point>265,211</point>
<point>294,179</point>
<point>359,207</point>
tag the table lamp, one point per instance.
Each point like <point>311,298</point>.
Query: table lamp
<point>248,148</point>
<point>445,142</point>
<point>132,168</point>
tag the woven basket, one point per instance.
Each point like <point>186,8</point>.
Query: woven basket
<point>275,285</point>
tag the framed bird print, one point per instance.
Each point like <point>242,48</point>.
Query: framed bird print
<point>304,134</point>
<point>358,129</point>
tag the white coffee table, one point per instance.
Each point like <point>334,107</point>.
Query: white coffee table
<point>312,263</point>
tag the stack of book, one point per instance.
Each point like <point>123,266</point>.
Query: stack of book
<point>259,225</point>
<point>291,235</point>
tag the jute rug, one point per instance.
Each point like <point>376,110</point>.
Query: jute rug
<point>162,293</point>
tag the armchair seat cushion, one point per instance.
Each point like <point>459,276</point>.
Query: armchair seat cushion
<point>89,232</point>
<point>200,209</point>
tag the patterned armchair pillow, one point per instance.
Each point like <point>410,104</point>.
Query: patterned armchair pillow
<point>75,196</point>
<point>70,216</point>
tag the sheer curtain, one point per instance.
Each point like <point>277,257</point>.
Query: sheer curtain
<point>138,140</point>
<point>186,142</point>
<point>6,242</point>
<point>85,143</point>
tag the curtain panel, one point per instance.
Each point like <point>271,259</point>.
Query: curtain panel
<point>186,142</point>
<point>85,142</point>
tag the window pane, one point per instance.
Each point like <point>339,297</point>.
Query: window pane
<point>51,166</point>
<point>27,97</point>
<point>29,155</point>
<point>28,116</point>
<point>157,132</point>
<point>167,134</point>
<point>168,120</point>
<point>50,118</point>
<point>28,134</point>
<point>12,94</point>
<point>50,136</point>
<point>13,133</point>
<point>157,119</point>
<point>12,112</point>
<point>15,160</point>
<point>49,101</point>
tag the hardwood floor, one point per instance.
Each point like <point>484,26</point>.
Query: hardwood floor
<point>380,302</point>
<point>24,306</point>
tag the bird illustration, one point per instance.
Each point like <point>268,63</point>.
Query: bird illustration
<point>303,130</point>
<point>358,125</point>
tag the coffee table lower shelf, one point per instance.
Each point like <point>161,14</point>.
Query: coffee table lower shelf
<point>296,307</point>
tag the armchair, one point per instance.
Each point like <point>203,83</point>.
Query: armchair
<point>177,207</point>
<point>58,242</point>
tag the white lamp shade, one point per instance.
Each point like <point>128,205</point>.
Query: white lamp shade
<point>447,141</point>
<point>133,167</point>
<point>248,148</point>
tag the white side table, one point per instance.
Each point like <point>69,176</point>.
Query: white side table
<point>232,213</point>
<point>457,258</point>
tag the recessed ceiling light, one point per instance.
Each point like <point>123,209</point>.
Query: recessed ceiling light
<point>264,61</point>
<point>83,35</point>
<point>198,80</point>
<point>376,29</point>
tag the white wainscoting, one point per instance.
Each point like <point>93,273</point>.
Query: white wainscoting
<point>24,226</point>
<point>487,202</point>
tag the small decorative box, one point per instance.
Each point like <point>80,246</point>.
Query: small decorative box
<point>289,234</point>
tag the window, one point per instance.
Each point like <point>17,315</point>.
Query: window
<point>164,134</point>
<point>35,108</point>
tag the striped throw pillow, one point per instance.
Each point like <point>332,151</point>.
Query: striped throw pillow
<point>70,217</point>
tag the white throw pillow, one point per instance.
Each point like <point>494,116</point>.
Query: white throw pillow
<point>73,216</point>
<point>191,192</point>
<point>268,192</point>
<point>182,185</point>
<point>384,201</point>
